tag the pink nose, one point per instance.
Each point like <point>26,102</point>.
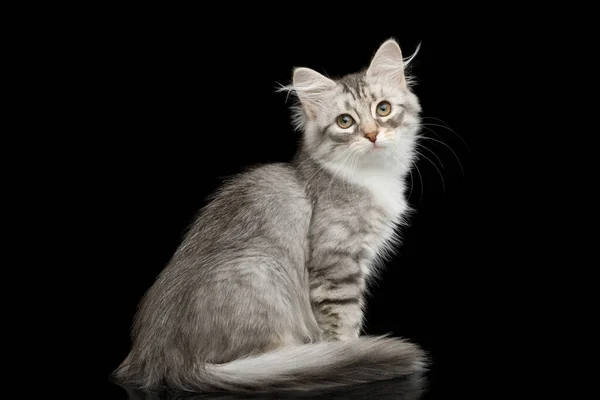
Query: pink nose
<point>372,136</point>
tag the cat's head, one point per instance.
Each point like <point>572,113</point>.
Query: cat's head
<point>370,117</point>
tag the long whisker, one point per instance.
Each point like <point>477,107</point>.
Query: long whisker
<point>436,119</point>
<point>432,152</point>
<point>409,165</point>
<point>413,163</point>
<point>451,130</point>
<point>412,183</point>
<point>449,148</point>
<point>436,168</point>
<point>421,179</point>
<point>412,178</point>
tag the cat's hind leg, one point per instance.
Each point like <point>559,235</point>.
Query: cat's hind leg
<point>248,307</point>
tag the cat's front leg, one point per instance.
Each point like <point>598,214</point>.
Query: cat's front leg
<point>336,297</point>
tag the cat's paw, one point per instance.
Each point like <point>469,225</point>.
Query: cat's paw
<point>340,336</point>
<point>345,338</point>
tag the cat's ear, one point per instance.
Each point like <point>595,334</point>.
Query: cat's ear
<point>310,87</point>
<point>387,63</point>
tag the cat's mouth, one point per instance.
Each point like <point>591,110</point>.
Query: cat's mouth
<point>377,147</point>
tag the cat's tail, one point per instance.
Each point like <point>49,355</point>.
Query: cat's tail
<point>310,367</point>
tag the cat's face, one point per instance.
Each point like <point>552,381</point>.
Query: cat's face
<point>367,118</point>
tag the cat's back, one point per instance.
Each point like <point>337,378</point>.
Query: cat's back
<point>264,189</point>
<point>259,217</point>
<point>263,203</point>
<point>276,179</point>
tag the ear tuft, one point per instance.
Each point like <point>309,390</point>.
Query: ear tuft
<point>387,63</point>
<point>310,87</point>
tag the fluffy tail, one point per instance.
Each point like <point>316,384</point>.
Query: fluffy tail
<point>315,366</point>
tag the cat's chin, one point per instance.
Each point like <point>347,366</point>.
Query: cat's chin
<point>378,148</point>
<point>379,156</point>
<point>373,149</point>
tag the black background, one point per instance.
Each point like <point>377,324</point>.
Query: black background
<point>192,104</point>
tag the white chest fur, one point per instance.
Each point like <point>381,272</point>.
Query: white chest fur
<point>387,191</point>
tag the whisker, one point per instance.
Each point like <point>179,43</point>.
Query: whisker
<point>437,119</point>
<point>450,129</point>
<point>421,179</point>
<point>432,152</point>
<point>413,163</point>
<point>412,179</point>
<point>449,148</point>
<point>436,168</point>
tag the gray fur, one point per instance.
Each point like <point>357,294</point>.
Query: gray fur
<point>266,290</point>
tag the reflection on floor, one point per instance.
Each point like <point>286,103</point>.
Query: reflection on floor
<point>411,388</point>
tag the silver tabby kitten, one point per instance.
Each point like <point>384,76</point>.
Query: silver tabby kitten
<point>266,291</point>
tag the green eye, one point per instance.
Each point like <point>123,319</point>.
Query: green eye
<point>345,121</point>
<point>384,108</point>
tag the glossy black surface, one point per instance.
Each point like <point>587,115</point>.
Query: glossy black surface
<point>399,389</point>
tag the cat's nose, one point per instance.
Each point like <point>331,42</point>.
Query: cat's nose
<point>372,136</point>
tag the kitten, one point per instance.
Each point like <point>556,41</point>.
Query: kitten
<point>266,290</point>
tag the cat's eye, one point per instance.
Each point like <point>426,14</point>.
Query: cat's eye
<point>384,109</point>
<point>345,121</point>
